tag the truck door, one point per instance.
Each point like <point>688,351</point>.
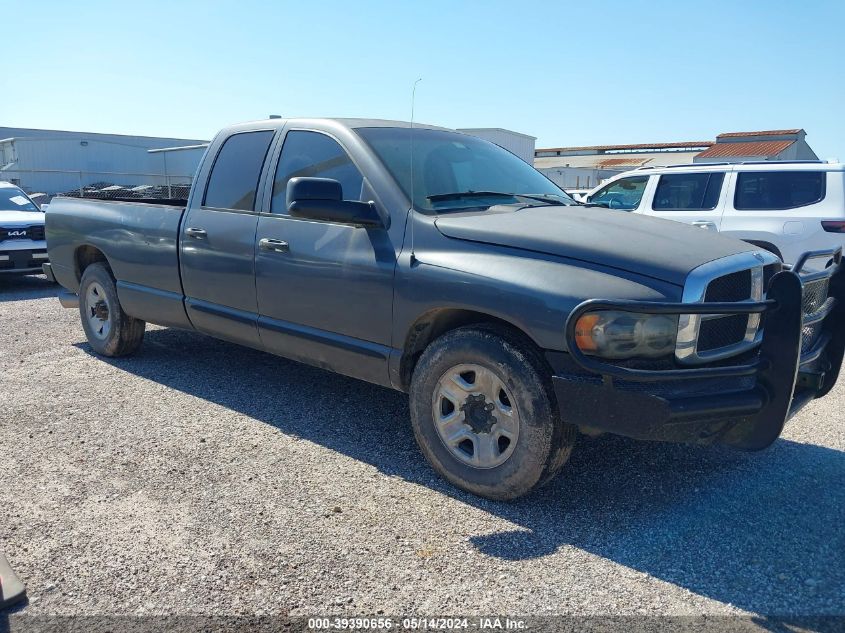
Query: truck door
<point>217,241</point>
<point>697,198</point>
<point>325,290</point>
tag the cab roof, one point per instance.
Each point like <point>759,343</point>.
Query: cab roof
<point>763,165</point>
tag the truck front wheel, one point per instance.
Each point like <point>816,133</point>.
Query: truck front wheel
<point>110,331</point>
<point>484,413</point>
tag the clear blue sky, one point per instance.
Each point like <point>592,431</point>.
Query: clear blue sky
<point>570,73</point>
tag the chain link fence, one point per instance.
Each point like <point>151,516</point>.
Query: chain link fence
<point>43,184</point>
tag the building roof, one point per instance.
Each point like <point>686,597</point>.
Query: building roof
<point>615,162</point>
<point>760,133</point>
<point>642,146</point>
<point>750,148</point>
<point>729,146</point>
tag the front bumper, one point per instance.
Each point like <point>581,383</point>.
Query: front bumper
<point>22,262</point>
<point>744,404</point>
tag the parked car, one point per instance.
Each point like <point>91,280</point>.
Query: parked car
<point>22,246</point>
<point>511,315</point>
<point>787,208</point>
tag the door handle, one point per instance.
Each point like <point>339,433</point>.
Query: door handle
<point>197,234</point>
<point>704,224</point>
<point>276,246</point>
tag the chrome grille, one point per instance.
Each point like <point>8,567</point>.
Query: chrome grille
<point>718,333</point>
<point>733,287</point>
<point>734,279</point>
<point>728,329</point>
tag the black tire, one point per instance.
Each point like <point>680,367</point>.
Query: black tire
<point>119,334</point>
<point>544,442</point>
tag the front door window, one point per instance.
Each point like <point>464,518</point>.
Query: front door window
<point>624,193</point>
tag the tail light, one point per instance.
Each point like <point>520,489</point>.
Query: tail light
<point>834,226</point>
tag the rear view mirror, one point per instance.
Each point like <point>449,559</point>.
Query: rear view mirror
<point>322,199</point>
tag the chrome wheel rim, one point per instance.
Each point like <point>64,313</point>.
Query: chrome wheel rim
<point>97,311</point>
<point>476,416</point>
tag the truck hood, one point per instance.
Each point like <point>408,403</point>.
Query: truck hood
<point>661,249</point>
<point>21,218</point>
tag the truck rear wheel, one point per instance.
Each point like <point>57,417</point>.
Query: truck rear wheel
<point>484,413</point>
<point>110,331</point>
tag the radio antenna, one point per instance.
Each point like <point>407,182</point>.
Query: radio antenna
<point>413,183</point>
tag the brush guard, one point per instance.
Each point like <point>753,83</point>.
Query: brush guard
<point>763,392</point>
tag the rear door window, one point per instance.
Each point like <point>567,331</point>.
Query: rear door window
<point>234,177</point>
<point>625,193</point>
<point>778,189</point>
<point>682,192</point>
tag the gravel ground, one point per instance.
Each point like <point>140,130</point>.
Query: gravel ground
<point>201,477</point>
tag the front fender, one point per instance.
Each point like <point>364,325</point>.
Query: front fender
<point>533,292</point>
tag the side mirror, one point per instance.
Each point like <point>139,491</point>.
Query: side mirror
<point>322,199</point>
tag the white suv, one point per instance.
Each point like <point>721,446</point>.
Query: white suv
<point>22,246</point>
<point>788,208</point>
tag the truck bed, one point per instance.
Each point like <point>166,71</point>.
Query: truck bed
<point>138,239</point>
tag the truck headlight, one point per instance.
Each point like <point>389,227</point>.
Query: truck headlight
<point>619,335</point>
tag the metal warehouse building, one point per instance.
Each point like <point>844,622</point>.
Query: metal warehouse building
<point>515,142</point>
<point>58,161</point>
<point>114,165</point>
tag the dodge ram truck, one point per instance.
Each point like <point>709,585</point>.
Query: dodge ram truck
<point>441,265</point>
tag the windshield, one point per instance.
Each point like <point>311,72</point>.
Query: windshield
<point>13,199</point>
<point>456,171</point>
<point>624,193</point>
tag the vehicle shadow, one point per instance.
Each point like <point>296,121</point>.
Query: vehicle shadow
<point>25,287</point>
<point>761,531</point>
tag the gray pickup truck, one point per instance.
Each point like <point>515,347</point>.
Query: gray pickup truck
<point>441,265</point>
